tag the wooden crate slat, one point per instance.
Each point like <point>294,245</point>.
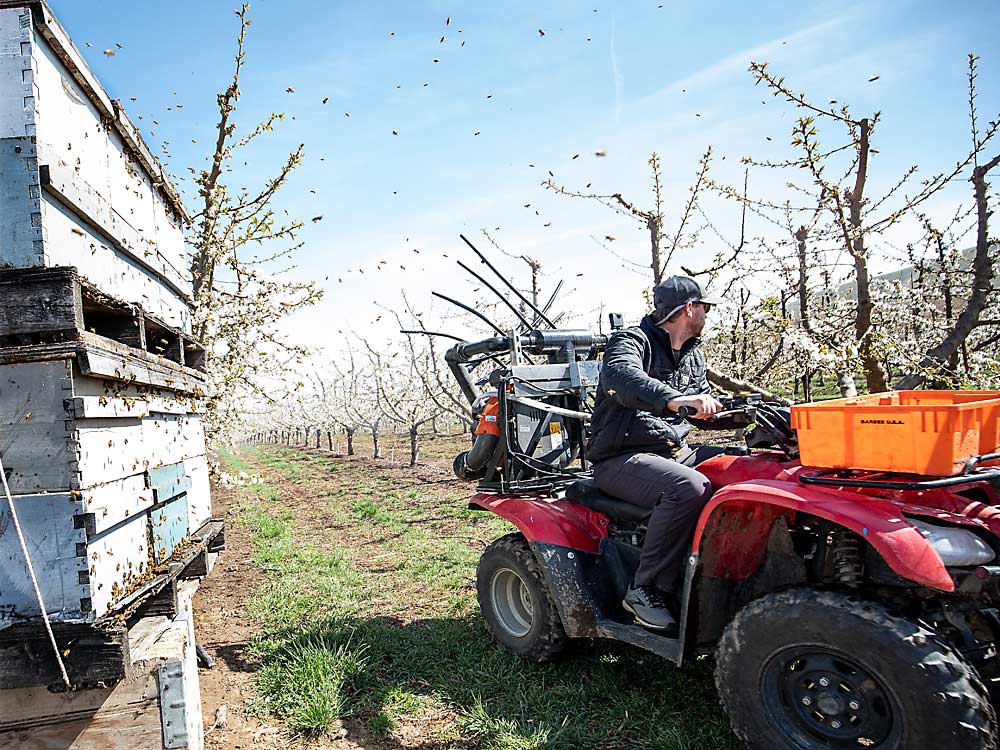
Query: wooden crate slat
<point>106,358</point>
<point>95,655</point>
<point>123,718</point>
<point>39,452</point>
<point>39,301</point>
<point>41,306</point>
<point>164,603</point>
<point>101,407</point>
<point>211,535</point>
<point>109,504</point>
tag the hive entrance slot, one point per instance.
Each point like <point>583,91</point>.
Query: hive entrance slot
<point>194,354</point>
<point>112,319</point>
<point>164,341</point>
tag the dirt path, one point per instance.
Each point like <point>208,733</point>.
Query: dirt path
<point>224,628</point>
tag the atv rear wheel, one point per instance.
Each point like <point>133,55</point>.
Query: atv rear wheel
<point>804,670</point>
<point>516,605</point>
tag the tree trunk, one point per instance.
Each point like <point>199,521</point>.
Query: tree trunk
<point>318,437</point>
<point>653,224</point>
<point>414,445</point>
<point>845,381</point>
<point>982,285</point>
<point>874,374</point>
<point>377,447</point>
<point>803,282</point>
<point>949,308</point>
<point>350,441</point>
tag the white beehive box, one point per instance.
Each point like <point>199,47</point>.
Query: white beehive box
<point>100,435</point>
<point>109,477</point>
<point>79,186</point>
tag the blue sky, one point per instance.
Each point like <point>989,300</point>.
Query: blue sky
<point>625,78</point>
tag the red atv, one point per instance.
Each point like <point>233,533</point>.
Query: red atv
<point>845,609</point>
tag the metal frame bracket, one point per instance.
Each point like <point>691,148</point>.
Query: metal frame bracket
<point>173,707</point>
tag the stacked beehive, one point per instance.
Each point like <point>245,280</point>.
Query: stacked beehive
<point>100,435</point>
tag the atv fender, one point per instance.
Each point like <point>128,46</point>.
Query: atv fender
<point>732,533</point>
<point>548,520</point>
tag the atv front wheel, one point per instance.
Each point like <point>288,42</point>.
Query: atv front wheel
<point>516,605</point>
<point>805,670</point>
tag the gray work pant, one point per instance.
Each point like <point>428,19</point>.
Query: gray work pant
<point>676,494</point>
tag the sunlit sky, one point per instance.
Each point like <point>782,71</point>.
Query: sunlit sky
<point>486,106</point>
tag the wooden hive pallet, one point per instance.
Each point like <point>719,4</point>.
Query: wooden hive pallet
<point>155,704</point>
<point>55,305</point>
<point>98,653</point>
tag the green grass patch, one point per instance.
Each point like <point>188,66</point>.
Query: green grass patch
<point>397,637</point>
<point>309,682</point>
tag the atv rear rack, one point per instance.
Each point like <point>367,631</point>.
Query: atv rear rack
<point>829,478</point>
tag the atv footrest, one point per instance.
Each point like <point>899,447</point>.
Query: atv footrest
<point>668,648</point>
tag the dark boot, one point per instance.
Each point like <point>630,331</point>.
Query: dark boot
<point>651,610</point>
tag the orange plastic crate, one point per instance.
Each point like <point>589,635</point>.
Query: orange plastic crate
<point>933,433</point>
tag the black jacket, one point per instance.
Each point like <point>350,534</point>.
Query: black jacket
<point>639,376</point>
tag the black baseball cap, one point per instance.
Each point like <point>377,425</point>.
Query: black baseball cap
<point>671,294</point>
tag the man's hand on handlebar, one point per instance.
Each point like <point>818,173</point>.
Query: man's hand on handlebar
<point>700,406</point>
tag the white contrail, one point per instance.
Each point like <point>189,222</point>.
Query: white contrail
<point>616,76</point>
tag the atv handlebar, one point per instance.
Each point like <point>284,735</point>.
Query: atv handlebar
<point>741,410</point>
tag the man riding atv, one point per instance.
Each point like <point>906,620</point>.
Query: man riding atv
<point>638,439</point>
<point>851,598</point>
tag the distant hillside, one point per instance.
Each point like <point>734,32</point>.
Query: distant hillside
<point>907,275</point>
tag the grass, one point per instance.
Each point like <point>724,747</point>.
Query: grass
<point>368,612</point>
<point>309,681</point>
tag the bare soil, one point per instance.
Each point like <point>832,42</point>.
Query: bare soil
<point>224,629</point>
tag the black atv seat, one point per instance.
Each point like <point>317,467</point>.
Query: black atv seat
<point>589,495</point>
